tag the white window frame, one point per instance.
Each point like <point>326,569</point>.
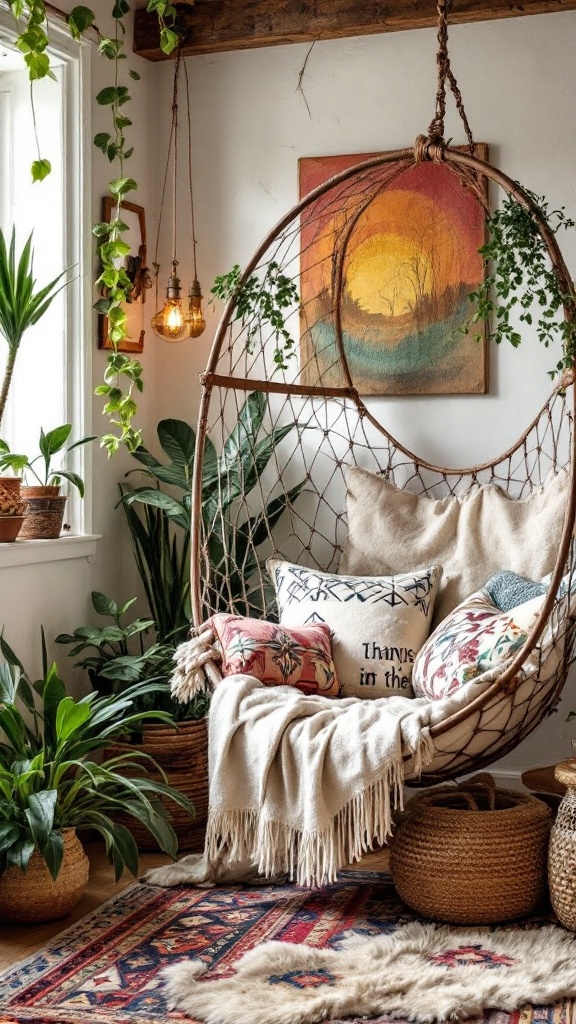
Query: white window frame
<point>76,57</point>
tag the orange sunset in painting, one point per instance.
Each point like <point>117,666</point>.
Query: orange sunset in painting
<point>410,260</point>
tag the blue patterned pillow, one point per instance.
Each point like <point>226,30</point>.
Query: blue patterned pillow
<point>507,590</point>
<point>379,623</point>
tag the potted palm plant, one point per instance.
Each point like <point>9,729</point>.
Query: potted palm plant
<point>52,787</point>
<point>44,503</point>
<point>21,306</point>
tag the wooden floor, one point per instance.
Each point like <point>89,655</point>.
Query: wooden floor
<point>19,941</point>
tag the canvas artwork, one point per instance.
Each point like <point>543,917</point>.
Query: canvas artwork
<point>411,262</point>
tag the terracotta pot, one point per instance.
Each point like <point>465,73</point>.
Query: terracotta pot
<point>43,519</point>
<point>34,896</point>
<point>184,757</point>
<point>10,528</point>
<point>39,491</point>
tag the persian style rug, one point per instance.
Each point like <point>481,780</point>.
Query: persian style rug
<point>107,968</point>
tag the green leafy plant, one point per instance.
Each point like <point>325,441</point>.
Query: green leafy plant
<point>50,444</point>
<point>21,304</point>
<point>260,302</point>
<point>117,657</point>
<point>160,523</point>
<point>111,662</point>
<point>520,278</point>
<point>50,781</point>
<point>123,375</point>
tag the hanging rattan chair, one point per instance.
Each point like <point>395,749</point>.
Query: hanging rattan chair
<point>303,483</point>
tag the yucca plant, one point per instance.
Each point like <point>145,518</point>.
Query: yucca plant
<point>160,523</point>
<point>21,306</point>
<point>50,781</point>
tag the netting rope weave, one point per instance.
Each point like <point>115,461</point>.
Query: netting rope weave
<point>294,506</point>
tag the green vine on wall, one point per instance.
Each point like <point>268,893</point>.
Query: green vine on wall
<point>520,280</point>
<point>123,375</point>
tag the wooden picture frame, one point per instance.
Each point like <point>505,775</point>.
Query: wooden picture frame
<point>134,217</point>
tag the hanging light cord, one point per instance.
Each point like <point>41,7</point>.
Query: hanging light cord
<point>189,119</point>
<point>171,143</point>
<point>175,171</point>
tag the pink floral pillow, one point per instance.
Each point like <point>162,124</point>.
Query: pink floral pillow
<point>300,656</point>
<point>475,637</point>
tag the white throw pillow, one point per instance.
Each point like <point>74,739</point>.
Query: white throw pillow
<point>472,536</point>
<point>379,623</point>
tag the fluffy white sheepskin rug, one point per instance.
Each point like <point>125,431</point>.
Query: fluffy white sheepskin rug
<point>421,972</point>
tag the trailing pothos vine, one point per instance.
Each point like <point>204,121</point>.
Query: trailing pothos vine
<point>521,280</point>
<point>123,375</point>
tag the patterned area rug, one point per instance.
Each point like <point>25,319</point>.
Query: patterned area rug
<point>105,969</point>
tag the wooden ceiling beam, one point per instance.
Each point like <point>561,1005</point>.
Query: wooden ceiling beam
<point>211,26</point>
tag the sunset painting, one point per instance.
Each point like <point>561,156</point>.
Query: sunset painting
<point>410,263</point>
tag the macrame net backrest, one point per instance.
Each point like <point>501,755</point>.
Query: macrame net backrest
<point>273,444</point>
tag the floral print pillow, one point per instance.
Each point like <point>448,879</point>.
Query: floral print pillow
<point>278,656</point>
<point>475,637</point>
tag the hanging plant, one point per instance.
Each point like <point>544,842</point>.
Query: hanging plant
<point>260,303</point>
<point>123,375</point>
<point>520,279</point>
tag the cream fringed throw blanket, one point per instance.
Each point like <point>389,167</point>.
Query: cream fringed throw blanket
<point>301,784</point>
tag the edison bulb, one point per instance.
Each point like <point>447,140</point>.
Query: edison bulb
<point>172,323</point>
<point>195,314</point>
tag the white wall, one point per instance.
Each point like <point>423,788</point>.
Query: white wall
<point>57,594</point>
<point>518,79</point>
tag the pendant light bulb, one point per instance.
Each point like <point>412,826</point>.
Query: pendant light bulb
<point>172,322</point>
<point>196,316</point>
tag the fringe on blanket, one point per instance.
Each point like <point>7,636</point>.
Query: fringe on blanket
<point>314,858</point>
<point>188,679</point>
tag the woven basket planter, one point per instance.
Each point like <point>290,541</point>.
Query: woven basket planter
<point>475,855</point>
<point>44,517</point>
<point>33,896</point>
<point>183,755</point>
<point>562,851</point>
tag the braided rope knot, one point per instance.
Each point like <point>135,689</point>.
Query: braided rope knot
<point>429,147</point>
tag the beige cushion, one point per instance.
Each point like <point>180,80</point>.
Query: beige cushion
<point>379,624</point>
<point>471,536</point>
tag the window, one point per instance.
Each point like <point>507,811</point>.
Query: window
<point>51,383</point>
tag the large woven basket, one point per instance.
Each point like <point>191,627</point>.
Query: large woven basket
<point>472,854</point>
<point>183,755</point>
<point>562,851</point>
<point>33,896</point>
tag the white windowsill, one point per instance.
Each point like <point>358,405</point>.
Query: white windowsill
<point>29,552</point>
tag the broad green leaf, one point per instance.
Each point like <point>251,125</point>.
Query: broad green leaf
<point>53,853</point>
<point>178,441</point>
<point>168,40</point>
<point>40,815</point>
<point>103,605</point>
<point>40,169</point>
<point>124,842</point>
<point>54,440</point>
<point>79,19</point>
<point>244,434</point>
<point>9,833</point>
<point>18,855</point>
<point>69,717</point>
<point>74,479</point>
